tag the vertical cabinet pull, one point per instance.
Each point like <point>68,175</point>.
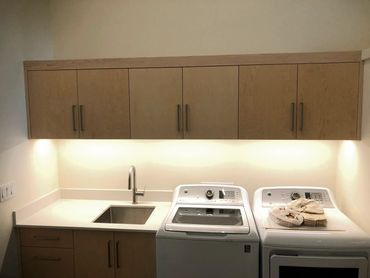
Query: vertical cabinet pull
<point>82,127</point>
<point>109,252</point>
<point>292,116</point>
<point>186,117</point>
<point>302,114</point>
<point>178,117</point>
<point>74,117</point>
<point>117,254</point>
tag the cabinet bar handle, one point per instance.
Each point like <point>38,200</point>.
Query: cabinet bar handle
<point>46,237</point>
<point>293,116</point>
<point>47,258</point>
<point>117,254</point>
<point>74,117</point>
<point>109,249</point>
<point>302,114</point>
<point>82,127</point>
<point>178,117</point>
<point>186,117</point>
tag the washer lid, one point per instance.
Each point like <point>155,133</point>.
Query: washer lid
<point>208,219</point>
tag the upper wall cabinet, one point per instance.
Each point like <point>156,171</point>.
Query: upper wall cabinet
<point>266,96</point>
<point>267,101</point>
<point>78,104</point>
<point>322,103</point>
<point>211,103</point>
<point>52,104</point>
<point>328,101</point>
<point>104,103</point>
<point>156,103</point>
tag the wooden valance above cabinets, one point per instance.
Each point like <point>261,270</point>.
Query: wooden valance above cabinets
<point>258,96</point>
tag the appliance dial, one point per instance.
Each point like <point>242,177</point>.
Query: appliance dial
<point>295,195</point>
<point>209,194</point>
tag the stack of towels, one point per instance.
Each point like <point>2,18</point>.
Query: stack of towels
<point>299,212</point>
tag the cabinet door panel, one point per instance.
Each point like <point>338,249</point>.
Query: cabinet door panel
<point>267,102</point>
<point>136,255</point>
<point>329,94</point>
<point>94,254</point>
<point>40,262</point>
<point>211,96</point>
<point>40,237</point>
<point>156,103</point>
<point>51,96</point>
<point>105,99</point>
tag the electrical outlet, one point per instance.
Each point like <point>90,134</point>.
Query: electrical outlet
<point>7,191</point>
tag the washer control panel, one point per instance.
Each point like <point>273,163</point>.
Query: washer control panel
<point>209,194</point>
<point>281,197</point>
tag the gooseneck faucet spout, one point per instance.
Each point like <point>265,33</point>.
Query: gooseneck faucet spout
<point>132,184</point>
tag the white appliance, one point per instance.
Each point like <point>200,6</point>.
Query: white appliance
<point>209,232</point>
<point>341,249</point>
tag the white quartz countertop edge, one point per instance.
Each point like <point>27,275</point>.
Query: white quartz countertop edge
<point>54,211</point>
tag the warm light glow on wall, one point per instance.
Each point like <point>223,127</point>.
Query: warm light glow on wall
<point>163,164</point>
<point>44,158</point>
<point>348,161</point>
<point>290,155</point>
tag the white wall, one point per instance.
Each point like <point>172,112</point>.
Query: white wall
<point>163,164</point>
<point>353,174</point>
<point>115,28</point>
<point>31,164</point>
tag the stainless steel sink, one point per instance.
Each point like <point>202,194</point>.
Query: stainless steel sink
<point>125,215</point>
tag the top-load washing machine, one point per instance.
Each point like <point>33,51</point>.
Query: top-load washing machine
<point>209,232</point>
<point>338,249</point>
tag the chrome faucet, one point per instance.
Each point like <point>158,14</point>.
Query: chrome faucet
<point>132,184</point>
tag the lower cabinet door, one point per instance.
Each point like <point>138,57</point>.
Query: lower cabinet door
<point>39,262</point>
<point>135,255</point>
<point>94,254</point>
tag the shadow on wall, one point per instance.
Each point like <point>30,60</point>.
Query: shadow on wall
<point>10,268</point>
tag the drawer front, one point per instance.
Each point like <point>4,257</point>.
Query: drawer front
<point>47,262</point>
<point>47,238</point>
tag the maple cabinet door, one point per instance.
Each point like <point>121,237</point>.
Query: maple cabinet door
<point>135,255</point>
<point>156,103</point>
<point>210,102</point>
<point>328,101</point>
<point>104,111</point>
<point>267,102</point>
<point>52,104</point>
<point>94,254</point>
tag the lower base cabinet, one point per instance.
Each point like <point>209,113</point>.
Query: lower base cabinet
<point>114,254</point>
<point>56,253</point>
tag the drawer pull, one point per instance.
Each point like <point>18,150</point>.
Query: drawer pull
<point>302,114</point>
<point>74,117</point>
<point>109,251</point>
<point>47,258</point>
<point>117,254</point>
<point>186,117</point>
<point>46,237</point>
<point>292,116</point>
<point>178,117</point>
<point>82,125</point>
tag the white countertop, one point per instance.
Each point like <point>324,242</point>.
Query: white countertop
<point>58,212</point>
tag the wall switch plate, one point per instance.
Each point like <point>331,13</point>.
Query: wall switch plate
<point>7,191</point>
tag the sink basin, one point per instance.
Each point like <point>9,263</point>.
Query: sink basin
<point>125,215</point>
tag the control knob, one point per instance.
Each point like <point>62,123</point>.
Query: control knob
<point>209,194</point>
<point>295,195</point>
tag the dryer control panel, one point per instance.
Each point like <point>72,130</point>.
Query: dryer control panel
<point>279,196</point>
<point>209,194</point>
